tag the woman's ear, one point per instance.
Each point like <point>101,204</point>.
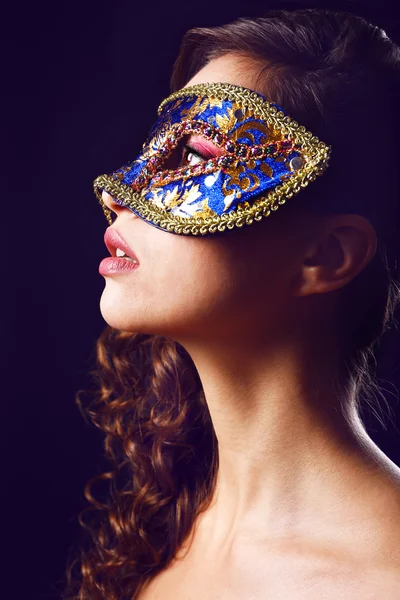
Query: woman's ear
<point>342,247</point>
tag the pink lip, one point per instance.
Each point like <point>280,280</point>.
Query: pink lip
<point>113,240</point>
<point>113,264</point>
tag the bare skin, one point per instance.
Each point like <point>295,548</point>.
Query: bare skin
<point>306,505</point>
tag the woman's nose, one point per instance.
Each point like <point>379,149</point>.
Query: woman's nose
<point>109,201</point>
<point>114,206</point>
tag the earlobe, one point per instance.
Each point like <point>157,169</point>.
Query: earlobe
<point>339,253</point>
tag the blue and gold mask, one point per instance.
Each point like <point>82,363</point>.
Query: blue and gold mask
<point>263,157</point>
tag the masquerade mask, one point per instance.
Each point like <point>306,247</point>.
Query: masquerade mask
<point>254,158</point>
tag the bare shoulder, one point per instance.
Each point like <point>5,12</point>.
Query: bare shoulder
<point>378,544</point>
<point>385,500</point>
<point>381,517</point>
<point>360,558</point>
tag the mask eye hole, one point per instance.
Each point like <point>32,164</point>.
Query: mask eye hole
<point>174,159</point>
<point>183,155</point>
<point>192,157</point>
<point>191,150</point>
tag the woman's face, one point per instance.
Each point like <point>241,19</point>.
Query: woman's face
<point>238,284</point>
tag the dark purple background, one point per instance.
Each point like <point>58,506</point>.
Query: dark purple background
<point>81,84</point>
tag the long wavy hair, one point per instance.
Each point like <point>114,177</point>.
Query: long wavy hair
<point>337,74</point>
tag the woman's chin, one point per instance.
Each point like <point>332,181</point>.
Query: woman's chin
<point>116,314</point>
<point>133,318</point>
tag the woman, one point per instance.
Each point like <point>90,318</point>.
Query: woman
<point>234,358</point>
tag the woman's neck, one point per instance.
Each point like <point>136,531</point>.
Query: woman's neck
<point>289,460</point>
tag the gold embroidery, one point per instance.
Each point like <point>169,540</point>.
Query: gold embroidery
<point>191,194</point>
<point>206,211</point>
<point>176,104</point>
<point>266,169</point>
<point>172,198</point>
<point>157,195</point>
<point>200,105</point>
<point>244,131</point>
<point>243,182</point>
<point>226,122</point>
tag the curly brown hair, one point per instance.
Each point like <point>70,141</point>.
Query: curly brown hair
<point>149,402</point>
